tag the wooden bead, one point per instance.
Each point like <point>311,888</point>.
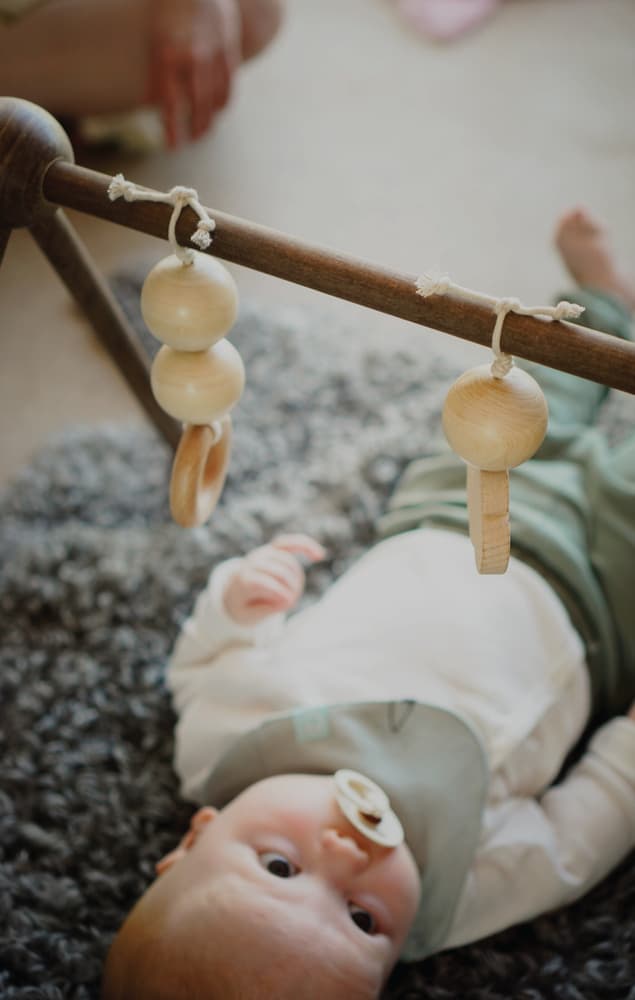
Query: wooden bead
<point>492,423</point>
<point>189,306</point>
<point>198,387</point>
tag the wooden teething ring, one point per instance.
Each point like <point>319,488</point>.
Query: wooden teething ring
<point>198,471</point>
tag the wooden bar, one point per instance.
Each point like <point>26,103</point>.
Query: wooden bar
<point>565,346</point>
<point>5,233</point>
<point>65,251</point>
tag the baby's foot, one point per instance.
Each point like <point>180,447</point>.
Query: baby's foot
<point>584,247</point>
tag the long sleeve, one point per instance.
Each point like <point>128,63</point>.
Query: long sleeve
<point>209,630</point>
<point>210,648</point>
<point>539,854</point>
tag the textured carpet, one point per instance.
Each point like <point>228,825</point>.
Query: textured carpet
<point>94,583</point>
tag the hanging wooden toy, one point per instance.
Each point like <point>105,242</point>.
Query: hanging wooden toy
<point>189,301</point>
<point>495,417</point>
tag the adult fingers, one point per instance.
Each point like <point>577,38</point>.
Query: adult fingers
<point>167,90</point>
<point>199,91</point>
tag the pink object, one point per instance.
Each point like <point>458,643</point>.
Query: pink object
<point>445,20</point>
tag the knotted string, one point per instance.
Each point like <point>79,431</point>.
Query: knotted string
<point>430,284</point>
<point>179,197</point>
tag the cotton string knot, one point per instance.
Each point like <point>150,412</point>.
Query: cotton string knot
<point>429,284</point>
<point>180,193</point>
<point>432,284</point>
<point>121,188</point>
<point>502,362</point>
<point>179,197</point>
<point>567,310</point>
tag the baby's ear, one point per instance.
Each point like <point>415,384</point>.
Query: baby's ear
<point>198,822</point>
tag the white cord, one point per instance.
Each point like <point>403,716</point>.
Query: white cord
<point>430,284</point>
<point>178,197</point>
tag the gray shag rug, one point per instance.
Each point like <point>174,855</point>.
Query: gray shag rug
<point>95,581</point>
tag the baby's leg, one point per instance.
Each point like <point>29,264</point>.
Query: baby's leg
<point>584,246</point>
<point>605,477</point>
<point>611,490</point>
<point>608,298</point>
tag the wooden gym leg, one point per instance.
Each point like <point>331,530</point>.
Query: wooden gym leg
<point>61,245</point>
<point>5,233</point>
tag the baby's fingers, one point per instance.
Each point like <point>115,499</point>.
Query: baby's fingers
<point>282,566</point>
<point>264,589</point>
<point>300,545</point>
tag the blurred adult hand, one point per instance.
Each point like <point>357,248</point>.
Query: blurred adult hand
<point>195,49</point>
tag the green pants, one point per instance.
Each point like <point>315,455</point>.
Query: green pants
<point>572,512</point>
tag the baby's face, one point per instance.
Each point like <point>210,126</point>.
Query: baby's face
<point>285,850</point>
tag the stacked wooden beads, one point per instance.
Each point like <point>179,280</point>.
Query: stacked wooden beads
<point>494,424</point>
<point>197,376</point>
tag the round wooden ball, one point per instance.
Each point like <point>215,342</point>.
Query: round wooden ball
<point>495,423</point>
<point>198,387</point>
<point>189,306</point>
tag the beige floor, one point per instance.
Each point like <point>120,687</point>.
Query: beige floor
<point>351,133</point>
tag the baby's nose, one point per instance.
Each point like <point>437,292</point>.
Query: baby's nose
<point>343,850</point>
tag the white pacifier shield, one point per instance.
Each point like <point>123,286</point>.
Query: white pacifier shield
<point>367,807</point>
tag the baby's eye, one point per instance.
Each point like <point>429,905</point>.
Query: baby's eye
<point>278,865</point>
<point>362,918</point>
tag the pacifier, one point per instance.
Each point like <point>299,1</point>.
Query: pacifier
<point>367,807</point>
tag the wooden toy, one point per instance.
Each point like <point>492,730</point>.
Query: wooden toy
<point>197,376</point>
<point>198,387</point>
<point>494,424</point>
<point>189,302</point>
<point>199,471</point>
<point>190,306</point>
<point>495,417</point>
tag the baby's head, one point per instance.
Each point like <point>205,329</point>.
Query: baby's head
<point>277,895</point>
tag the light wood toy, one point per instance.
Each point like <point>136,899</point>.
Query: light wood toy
<point>197,376</point>
<point>494,423</point>
<point>191,309</point>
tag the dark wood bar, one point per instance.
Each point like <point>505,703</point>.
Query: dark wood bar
<point>565,346</point>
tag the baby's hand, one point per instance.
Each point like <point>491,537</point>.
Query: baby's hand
<point>194,52</point>
<point>270,579</point>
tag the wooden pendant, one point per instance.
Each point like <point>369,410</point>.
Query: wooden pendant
<point>494,424</point>
<point>488,509</point>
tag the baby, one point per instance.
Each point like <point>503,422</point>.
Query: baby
<point>379,776</point>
